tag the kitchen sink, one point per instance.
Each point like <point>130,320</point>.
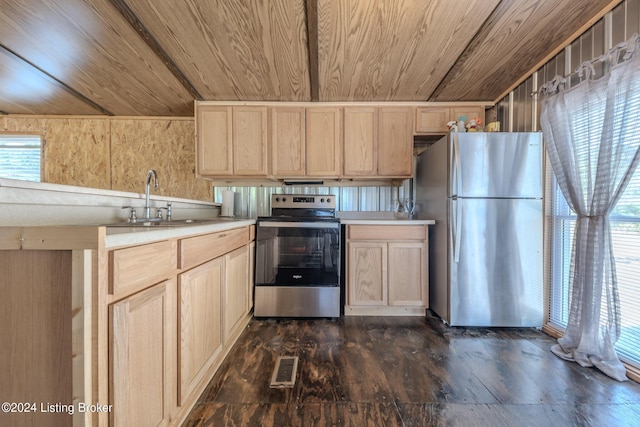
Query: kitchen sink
<point>172,223</point>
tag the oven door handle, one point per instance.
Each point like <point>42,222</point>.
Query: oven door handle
<point>293,224</point>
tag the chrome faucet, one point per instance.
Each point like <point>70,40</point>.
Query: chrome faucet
<point>147,207</point>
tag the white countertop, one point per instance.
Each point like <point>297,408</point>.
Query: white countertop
<point>387,221</point>
<point>136,235</point>
<point>378,218</point>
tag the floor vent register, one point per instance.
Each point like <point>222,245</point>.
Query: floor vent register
<point>284,374</point>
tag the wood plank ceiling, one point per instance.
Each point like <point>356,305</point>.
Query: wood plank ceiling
<point>155,57</point>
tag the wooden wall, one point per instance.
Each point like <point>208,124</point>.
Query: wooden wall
<point>36,351</point>
<point>115,153</point>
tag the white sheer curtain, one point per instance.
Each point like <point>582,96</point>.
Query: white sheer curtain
<point>592,136</point>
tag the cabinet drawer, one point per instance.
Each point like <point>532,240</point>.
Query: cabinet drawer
<point>198,249</point>
<point>135,268</point>
<point>387,232</point>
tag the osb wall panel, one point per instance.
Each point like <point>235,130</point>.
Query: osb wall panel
<point>115,153</point>
<point>77,152</point>
<point>166,145</point>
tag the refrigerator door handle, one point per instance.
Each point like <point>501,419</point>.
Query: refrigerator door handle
<point>455,230</point>
<point>456,182</point>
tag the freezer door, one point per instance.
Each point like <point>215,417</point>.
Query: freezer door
<point>495,263</point>
<point>495,164</point>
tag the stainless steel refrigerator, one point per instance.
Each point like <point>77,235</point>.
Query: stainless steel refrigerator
<point>484,191</point>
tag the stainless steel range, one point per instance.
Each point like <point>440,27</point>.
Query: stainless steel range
<point>297,270</point>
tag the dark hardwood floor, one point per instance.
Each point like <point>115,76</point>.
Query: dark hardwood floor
<point>408,371</point>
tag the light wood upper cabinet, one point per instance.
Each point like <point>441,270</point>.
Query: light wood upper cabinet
<point>378,142</point>
<point>214,140</point>
<point>432,119</point>
<point>395,142</point>
<point>435,119</point>
<point>288,141</point>
<point>323,141</point>
<point>360,141</point>
<point>250,141</point>
<point>276,141</point>
<point>231,141</point>
<point>142,357</point>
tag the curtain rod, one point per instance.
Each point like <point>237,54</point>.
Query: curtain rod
<point>612,57</point>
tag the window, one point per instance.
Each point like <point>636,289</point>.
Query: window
<point>20,157</point>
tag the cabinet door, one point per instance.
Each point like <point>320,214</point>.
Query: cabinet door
<point>235,295</point>
<point>250,141</point>
<point>395,143</point>
<point>432,119</point>
<point>200,314</point>
<point>251,278</point>
<point>407,274</point>
<point>142,357</point>
<point>360,141</point>
<point>367,277</point>
<point>288,141</point>
<point>323,142</point>
<point>214,140</point>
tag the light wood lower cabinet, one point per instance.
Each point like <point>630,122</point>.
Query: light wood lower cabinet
<point>235,291</point>
<point>250,282</point>
<point>142,357</point>
<point>407,274</point>
<point>200,327</point>
<point>168,336</point>
<point>387,269</point>
<point>367,275</point>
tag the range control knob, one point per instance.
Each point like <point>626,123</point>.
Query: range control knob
<point>277,199</point>
<point>322,200</point>
<point>284,199</point>
<point>328,200</point>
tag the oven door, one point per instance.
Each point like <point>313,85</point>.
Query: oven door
<point>297,270</point>
<point>292,253</point>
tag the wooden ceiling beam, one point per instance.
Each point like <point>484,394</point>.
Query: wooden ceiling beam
<point>58,83</point>
<point>311,18</point>
<point>133,20</point>
<point>458,66</point>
